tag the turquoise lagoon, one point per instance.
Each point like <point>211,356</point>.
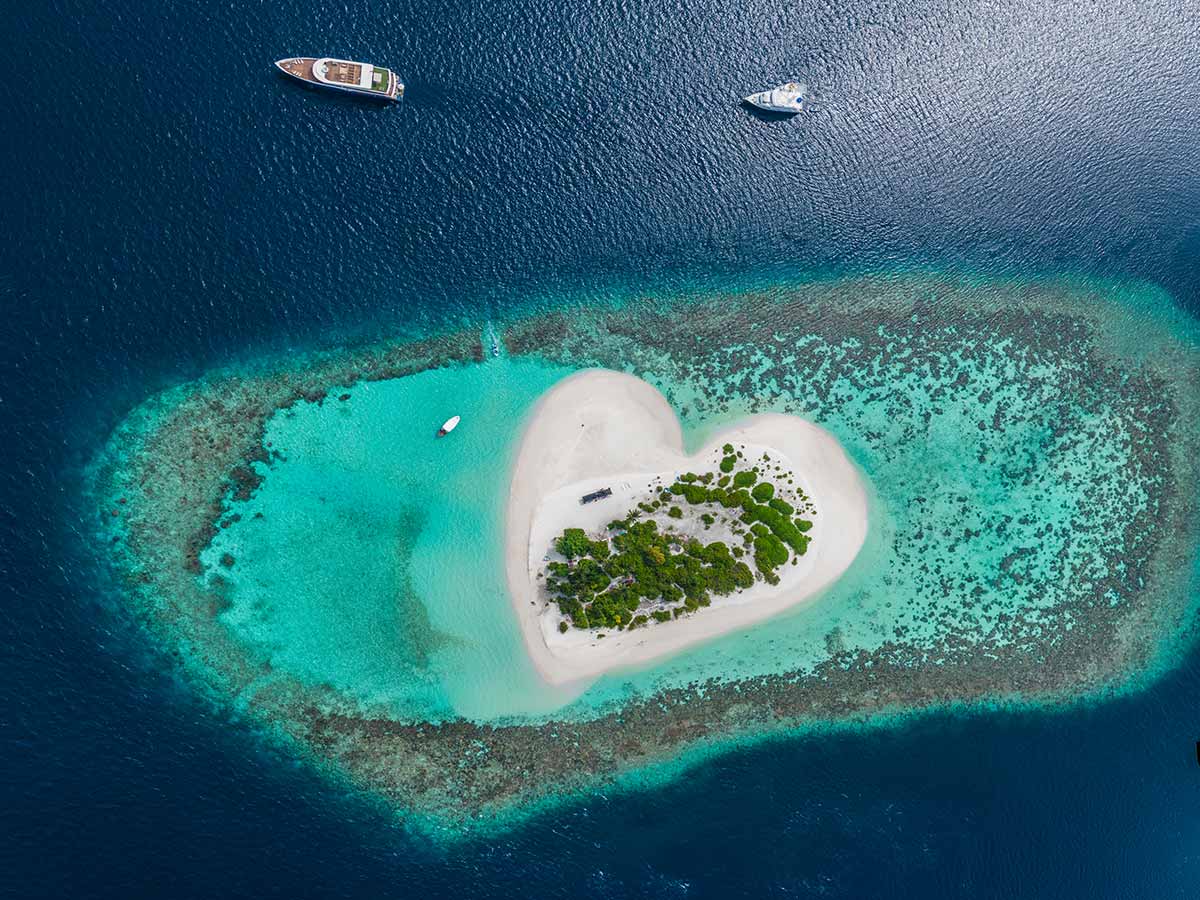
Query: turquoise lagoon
<point>370,559</point>
<point>376,566</point>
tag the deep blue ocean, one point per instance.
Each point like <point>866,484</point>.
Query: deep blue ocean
<point>172,204</point>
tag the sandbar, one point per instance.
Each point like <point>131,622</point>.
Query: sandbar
<point>600,428</point>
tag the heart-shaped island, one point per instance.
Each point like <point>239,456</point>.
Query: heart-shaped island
<point>297,538</point>
<point>622,549</point>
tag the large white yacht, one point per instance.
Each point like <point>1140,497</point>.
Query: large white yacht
<point>787,98</point>
<point>344,75</point>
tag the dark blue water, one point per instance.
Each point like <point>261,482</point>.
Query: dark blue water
<point>171,204</point>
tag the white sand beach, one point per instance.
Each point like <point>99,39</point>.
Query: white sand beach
<point>607,429</point>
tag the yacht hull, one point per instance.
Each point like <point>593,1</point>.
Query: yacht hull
<point>301,68</point>
<point>787,99</point>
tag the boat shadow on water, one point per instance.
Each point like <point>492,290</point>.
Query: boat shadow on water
<point>767,115</point>
<point>336,98</point>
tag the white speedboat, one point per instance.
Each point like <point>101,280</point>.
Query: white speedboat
<point>787,98</point>
<point>448,426</point>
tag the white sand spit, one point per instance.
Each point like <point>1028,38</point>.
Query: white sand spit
<point>599,428</point>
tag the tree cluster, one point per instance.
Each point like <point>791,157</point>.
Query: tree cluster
<point>605,583</point>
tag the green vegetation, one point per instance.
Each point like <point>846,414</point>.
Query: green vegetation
<point>637,575</point>
<point>574,543</point>
<point>781,506</point>
<point>745,479</point>
<point>639,564</point>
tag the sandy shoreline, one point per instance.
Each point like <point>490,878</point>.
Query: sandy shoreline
<point>603,428</point>
<point>1132,404</point>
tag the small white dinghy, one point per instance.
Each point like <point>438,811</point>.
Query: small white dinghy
<point>787,98</point>
<point>449,425</point>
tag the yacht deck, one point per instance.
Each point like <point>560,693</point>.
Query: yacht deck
<point>361,78</point>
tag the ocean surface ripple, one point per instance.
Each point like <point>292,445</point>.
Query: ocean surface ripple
<point>174,206</point>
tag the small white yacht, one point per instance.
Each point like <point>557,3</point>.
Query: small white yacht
<point>787,98</point>
<point>448,426</point>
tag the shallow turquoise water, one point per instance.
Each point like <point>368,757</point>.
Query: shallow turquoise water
<point>170,226</point>
<point>376,565</point>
